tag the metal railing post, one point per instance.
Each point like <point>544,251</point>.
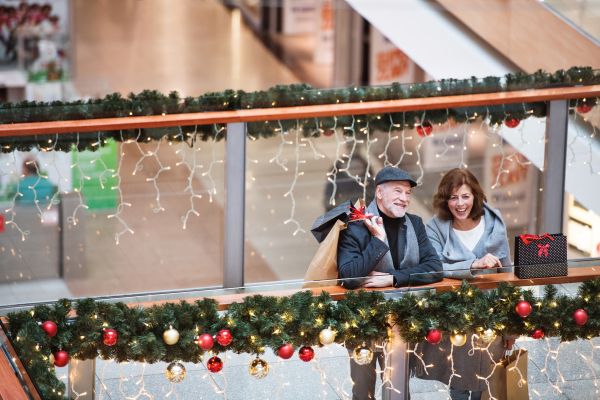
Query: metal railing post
<point>235,202</point>
<point>555,160</point>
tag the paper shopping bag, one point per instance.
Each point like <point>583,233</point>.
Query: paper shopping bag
<point>505,381</point>
<point>541,256</point>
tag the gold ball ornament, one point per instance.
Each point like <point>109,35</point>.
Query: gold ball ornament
<point>259,368</point>
<point>175,372</point>
<point>327,336</point>
<point>488,336</point>
<point>51,359</point>
<point>171,336</point>
<point>362,354</point>
<point>458,339</point>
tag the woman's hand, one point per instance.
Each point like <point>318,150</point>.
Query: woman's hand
<point>375,225</point>
<point>487,261</point>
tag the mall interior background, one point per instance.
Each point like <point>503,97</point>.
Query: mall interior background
<point>87,49</point>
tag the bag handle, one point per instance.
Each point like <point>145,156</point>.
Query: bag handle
<point>528,238</point>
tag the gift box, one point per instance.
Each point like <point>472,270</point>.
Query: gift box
<point>541,256</point>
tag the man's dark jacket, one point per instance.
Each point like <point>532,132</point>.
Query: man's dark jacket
<point>359,252</point>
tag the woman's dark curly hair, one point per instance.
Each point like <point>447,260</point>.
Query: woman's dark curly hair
<point>454,179</point>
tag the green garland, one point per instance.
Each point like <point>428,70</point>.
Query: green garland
<point>155,103</point>
<point>264,321</point>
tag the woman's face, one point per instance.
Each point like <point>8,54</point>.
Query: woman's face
<point>460,202</point>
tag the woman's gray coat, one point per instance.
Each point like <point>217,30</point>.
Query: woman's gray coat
<point>455,256</point>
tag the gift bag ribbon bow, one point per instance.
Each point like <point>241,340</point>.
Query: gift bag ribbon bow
<point>528,238</point>
<point>543,250</point>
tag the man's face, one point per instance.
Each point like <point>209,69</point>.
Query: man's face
<point>394,198</point>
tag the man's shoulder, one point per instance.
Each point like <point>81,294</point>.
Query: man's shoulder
<point>415,219</point>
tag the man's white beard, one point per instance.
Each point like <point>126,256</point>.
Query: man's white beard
<point>391,208</point>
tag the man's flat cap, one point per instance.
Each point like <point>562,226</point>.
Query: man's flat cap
<point>388,174</point>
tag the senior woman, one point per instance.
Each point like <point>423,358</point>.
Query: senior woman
<point>469,237</point>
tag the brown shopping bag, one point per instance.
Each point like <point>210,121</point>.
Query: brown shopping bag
<point>324,264</point>
<point>504,383</point>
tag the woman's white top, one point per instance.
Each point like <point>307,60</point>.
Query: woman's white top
<point>471,237</point>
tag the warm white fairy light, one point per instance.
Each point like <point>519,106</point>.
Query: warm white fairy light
<point>296,175</point>
<point>72,219</point>
<point>139,167</point>
<point>578,135</point>
<point>280,384</point>
<point>72,376</point>
<point>102,384</point>
<point>415,352</point>
<point>279,162</point>
<point>213,189</point>
<point>11,221</point>
<point>35,199</point>
<point>334,170</point>
<point>447,147</point>
<point>192,168</point>
<point>311,144</point>
<point>54,200</point>
<point>510,157</point>
<point>101,178</point>
<point>389,141</point>
<point>122,203</point>
<point>386,374</point>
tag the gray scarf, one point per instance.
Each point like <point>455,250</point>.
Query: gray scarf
<point>411,249</point>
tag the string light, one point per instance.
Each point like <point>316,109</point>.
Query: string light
<point>98,158</point>
<point>213,189</point>
<point>121,203</point>
<point>192,168</point>
<point>296,175</point>
<point>18,193</point>
<point>72,219</point>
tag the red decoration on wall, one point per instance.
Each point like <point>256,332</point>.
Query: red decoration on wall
<point>434,336</point>
<point>61,358</point>
<point>580,317</point>
<point>50,328</point>
<point>424,129</point>
<point>286,351</point>
<point>512,123</point>
<point>109,337</point>
<point>206,341</point>
<point>306,353</point>
<point>537,334</point>
<point>214,364</point>
<point>523,309</point>
<point>224,337</point>
<point>584,108</point>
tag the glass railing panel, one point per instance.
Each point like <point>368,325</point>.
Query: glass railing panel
<point>300,169</point>
<point>113,217</point>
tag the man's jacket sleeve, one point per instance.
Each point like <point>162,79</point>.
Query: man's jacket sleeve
<point>428,262</point>
<point>353,261</point>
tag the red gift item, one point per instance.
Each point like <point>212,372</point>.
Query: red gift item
<point>357,214</point>
<point>528,238</point>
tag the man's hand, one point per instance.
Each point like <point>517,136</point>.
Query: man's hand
<point>508,344</point>
<point>379,279</point>
<point>487,261</point>
<point>375,225</point>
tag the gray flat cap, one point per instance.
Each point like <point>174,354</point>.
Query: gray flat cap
<point>388,174</point>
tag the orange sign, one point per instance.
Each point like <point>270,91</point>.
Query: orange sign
<point>516,172</point>
<point>391,64</point>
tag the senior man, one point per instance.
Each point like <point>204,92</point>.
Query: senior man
<point>389,247</point>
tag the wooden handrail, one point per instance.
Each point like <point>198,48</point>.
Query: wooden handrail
<point>282,113</point>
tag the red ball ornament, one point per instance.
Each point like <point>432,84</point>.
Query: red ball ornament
<point>329,132</point>
<point>523,309</point>
<point>512,123</point>
<point>434,336</point>
<point>537,334</point>
<point>206,341</point>
<point>61,358</point>
<point>50,328</point>
<point>584,108</point>
<point>306,353</point>
<point>580,317</point>
<point>109,337</point>
<point>224,337</point>
<point>286,351</point>
<point>424,129</point>
<point>214,364</point>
